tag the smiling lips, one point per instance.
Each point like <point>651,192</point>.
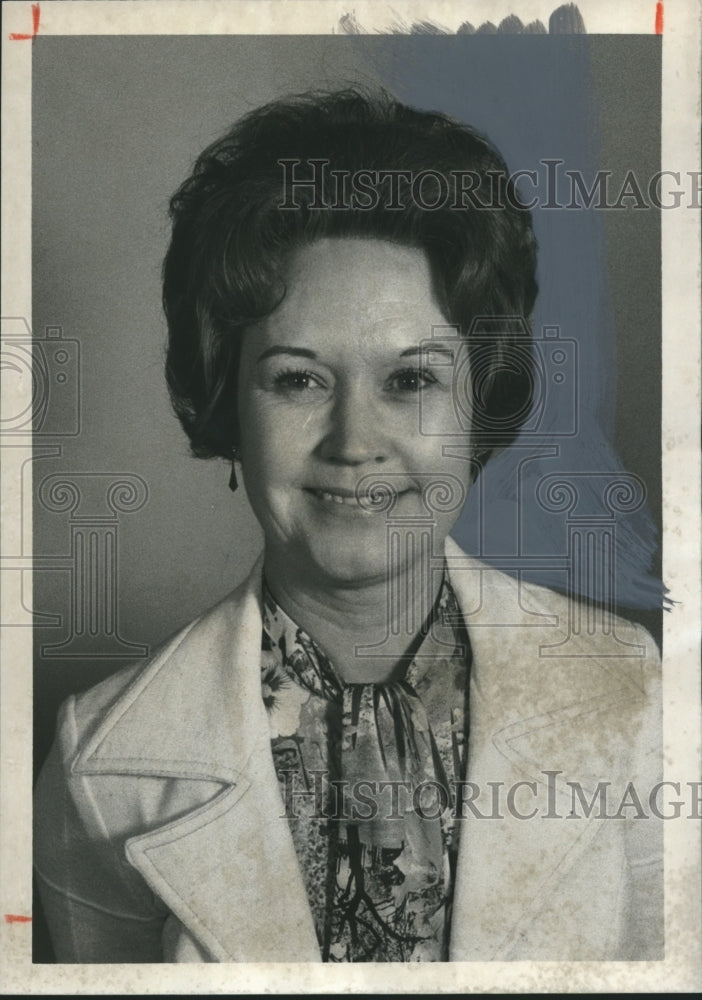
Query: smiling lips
<point>349,498</point>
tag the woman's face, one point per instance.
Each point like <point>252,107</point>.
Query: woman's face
<point>339,388</point>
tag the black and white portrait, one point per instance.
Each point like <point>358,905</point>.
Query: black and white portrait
<point>349,589</point>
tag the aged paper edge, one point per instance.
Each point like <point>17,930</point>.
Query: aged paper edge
<point>682,968</point>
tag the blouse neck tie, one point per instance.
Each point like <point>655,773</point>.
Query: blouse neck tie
<point>391,785</point>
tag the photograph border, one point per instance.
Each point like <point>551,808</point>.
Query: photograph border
<point>682,968</point>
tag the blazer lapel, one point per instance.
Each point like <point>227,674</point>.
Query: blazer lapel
<point>229,872</point>
<point>524,709</point>
<point>226,864</point>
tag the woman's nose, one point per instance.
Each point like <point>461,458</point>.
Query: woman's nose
<point>356,432</point>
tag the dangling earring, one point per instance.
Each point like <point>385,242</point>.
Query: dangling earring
<point>232,476</point>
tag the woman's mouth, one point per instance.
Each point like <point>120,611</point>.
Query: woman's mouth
<point>367,502</point>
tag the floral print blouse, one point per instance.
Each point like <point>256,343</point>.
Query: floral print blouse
<point>367,775</point>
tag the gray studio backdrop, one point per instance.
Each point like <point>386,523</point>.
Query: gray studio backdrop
<point>117,123</point>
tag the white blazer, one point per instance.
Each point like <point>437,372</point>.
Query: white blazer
<point>159,826</point>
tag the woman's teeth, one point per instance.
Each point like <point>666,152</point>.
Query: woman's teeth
<point>335,498</point>
<point>368,502</point>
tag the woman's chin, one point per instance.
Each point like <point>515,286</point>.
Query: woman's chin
<point>334,562</point>
<point>344,556</point>
<point>350,569</point>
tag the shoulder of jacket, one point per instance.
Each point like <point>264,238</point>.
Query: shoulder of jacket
<point>90,707</point>
<point>561,630</point>
<point>537,597</point>
<point>545,597</point>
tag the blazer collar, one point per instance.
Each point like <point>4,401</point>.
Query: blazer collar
<point>228,870</point>
<point>208,679</point>
<point>196,711</point>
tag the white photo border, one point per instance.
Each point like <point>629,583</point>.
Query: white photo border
<point>681,970</point>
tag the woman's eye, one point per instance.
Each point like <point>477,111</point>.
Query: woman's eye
<point>296,380</point>
<point>411,380</point>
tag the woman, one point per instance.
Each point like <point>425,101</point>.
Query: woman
<point>351,758</point>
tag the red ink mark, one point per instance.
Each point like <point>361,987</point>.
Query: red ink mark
<point>35,26</point>
<point>16,918</point>
<point>659,18</point>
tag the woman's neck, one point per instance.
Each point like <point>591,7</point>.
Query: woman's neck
<point>364,630</point>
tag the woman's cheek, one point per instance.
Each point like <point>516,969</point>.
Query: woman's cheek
<point>264,421</point>
<point>286,434</point>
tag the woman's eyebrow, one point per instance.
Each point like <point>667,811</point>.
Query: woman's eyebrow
<point>299,352</point>
<point>305,352</point>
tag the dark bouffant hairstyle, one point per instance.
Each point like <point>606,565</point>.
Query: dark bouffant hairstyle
<point>244,208</point>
